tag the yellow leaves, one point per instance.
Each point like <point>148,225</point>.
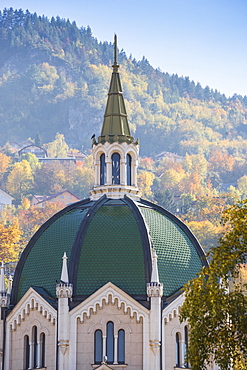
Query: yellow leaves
<point>48,74</point>
<point>58,147</point>
<point>206,232</point>
<point>217,315</point>
<point>20,179</point>
<point>9,241</point>
<point>4,164</point>
<point>145,181</point>
<point>220,161</point>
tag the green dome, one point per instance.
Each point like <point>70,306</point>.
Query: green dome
<point>109,240</point>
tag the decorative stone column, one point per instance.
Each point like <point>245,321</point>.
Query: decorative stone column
<point>155,292</point>
<point>64,291</point>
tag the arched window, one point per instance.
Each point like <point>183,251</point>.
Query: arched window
<point>42,349</point>
<point>35,346</point>
<point>26,352</point>
<point>186,341</point>
<point>178,362</point>
<point>102,169</point>
<point>110,342</point>
<point>121,347</point>
<point>98,347</point>
<point>115,168</point>
<point>128,169</point>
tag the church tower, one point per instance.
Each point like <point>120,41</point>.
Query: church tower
<point>117,300</point>
<point>115,153</point>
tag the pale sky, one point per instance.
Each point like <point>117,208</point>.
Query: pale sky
<point>203,39</point>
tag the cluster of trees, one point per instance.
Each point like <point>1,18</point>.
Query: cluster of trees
<point>22,177</point>
<point>57,76</point>
<point>216,301</point>
<point>25,176</point>
<point>196,188</point>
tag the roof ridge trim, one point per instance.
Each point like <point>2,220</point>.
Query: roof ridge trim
<point>78,241</point>
<point>32,241</point>
<point>145,237</point>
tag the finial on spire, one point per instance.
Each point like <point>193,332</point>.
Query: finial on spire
<point>155,274</point>
<point>64,289</point>
<point>115,50</point>
<point>64,275</point>
<point>154,288</point>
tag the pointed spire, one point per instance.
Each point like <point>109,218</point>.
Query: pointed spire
<point>154,288</point>
<point>115,126</point>
<point>65,275</point>
<point>2,279</point>
<point>64,289</point>
<point>155,273</point>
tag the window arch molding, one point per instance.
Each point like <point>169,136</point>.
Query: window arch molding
<point>133,154</point>
<point>99,153</point>
<point>116,148</point>
<point>118,325</point>
<point>28,329</point>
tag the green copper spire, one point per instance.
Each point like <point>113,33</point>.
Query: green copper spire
<point>115,125</point>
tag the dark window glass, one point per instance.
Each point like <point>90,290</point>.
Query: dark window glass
<point>42,344</point>
<point>128,169</point>
<point>102,169</point>
<point>115,168</point>
<point>121,347</point>
<point>26,352</point>
<point>186,364</point>
<point>35,346</point>
<point>177,350</point>
<point>110,342</point>
<point>98,347</point>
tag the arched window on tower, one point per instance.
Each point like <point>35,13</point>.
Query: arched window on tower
<point>98,347</point>
<point>42,349</point>
<point>26,352</point>
<point>128,169</point>
<point>115,168</point>
<point>186,341</point>
<point>178,350</point>
<point>102,169</point>
<point>110,342</point>
<point>121,347</point>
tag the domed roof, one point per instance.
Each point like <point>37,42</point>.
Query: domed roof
<point>109,240</point>
<point>110,237</point>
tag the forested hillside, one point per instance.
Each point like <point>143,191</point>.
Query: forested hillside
<point>54,78</point>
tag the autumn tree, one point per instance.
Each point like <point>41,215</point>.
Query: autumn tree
<point>10,236</point>
<point>221,162</point>
<point>32,160</point>
<point>145,181</point>
<point>32,218</point>
<point>216,314</point>
<point>4,164</point>
<point>58,148</point>
<point>20,180</point>
<point>83,178</point>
